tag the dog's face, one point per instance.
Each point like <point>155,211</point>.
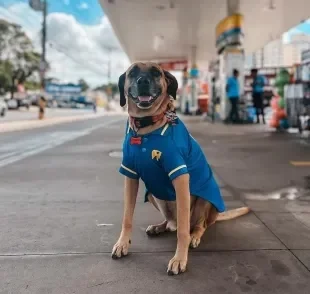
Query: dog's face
<point>145,84</point>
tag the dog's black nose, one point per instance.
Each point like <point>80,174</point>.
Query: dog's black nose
<point>143,81</point>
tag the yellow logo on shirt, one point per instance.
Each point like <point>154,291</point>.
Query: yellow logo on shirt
<point>156,154</point>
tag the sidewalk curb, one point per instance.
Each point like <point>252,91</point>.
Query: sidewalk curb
<point>34,124</point>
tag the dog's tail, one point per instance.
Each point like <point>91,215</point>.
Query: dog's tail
<point>233,213</point>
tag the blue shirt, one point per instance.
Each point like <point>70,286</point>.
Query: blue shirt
<point>259,83</point>
<point>233,88</point>
<point>165,154</point>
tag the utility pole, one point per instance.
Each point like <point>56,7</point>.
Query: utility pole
<point>109,65</point>
<point>109,50</point>
<point>41,5</point>
<point>43,57</point>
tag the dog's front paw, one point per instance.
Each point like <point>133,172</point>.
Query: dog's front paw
<point>120,249</point>
<point>176,266</point>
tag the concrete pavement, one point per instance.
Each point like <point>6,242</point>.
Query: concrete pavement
<point>61,209</point>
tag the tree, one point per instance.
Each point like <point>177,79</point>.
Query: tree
<point>109,88</point>
<point>17,49</point>
<point>6,70</point>
<point>84,85</point>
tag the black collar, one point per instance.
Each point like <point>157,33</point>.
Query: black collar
<point>142,122</point>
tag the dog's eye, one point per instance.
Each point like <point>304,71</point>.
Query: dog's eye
<point>131,74</point>
<point>155,72</point>
<point>134,72</point>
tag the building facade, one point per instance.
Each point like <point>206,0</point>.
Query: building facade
<point>277,53</point>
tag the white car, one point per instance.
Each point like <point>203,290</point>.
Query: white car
<point>3,107</point>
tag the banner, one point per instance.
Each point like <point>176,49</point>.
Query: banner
<point>229,32</point>
<point>173,65</point>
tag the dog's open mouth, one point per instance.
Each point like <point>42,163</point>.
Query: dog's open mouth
<point>145,98</point>
<point>145,101</point>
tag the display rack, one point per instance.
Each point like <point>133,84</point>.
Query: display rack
<point>297,95</point>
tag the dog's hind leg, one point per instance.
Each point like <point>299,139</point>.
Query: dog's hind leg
<point>168,210</point>
<point>201,218</point>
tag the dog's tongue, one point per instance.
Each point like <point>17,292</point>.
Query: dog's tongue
<point>144,98</point>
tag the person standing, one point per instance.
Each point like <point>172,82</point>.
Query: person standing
<point>42,106</point>
<point>258,94</point>
<point>213,109</point>
<point>233,94</point>
<point>95,105</point>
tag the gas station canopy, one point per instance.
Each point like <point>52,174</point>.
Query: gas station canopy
<point>166,30</point>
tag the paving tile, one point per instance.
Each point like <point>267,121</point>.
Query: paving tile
<point>244,233</point>
<point>78,226</point>
<point>290,229</point>
<point>268,272</point>
<point>303,256</point>
<point>276,206</point>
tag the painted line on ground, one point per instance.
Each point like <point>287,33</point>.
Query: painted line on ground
<point>104,225</point>
<point>32,150</point>
<point>300,163</point>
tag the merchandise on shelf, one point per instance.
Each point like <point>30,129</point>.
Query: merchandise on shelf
<point>279,117</point>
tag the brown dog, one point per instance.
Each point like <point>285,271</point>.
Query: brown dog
<point>159,150</point>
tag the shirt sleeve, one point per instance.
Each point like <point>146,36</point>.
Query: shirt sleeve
<point>173,162</point>
<point>127,167</point>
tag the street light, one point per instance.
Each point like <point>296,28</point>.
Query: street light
<point>109,48</point>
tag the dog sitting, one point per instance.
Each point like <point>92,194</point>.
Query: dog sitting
<point>159,150</point>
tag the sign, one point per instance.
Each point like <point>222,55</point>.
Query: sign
<point>229,32</point>
<point>36,5</point>
<point>174,65</point>
<point>63,89</point>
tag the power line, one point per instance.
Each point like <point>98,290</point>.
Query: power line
<point>62,49</point>
<point>57,48</point>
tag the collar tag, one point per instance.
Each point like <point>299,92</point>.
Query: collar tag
<point>135,140</point>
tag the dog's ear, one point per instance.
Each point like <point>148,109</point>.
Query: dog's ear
<point>121,86</point>
<point>172,84</point>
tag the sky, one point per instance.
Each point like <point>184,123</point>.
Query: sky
<point>78,33</point>
<point>303,27</point>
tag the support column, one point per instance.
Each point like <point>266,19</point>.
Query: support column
<point>231,55</point>
<point>193,102</point>
<point>233,6</point>
<point>193,56</point>
<point>189,101</point>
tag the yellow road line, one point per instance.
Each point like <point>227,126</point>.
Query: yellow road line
<point>300,163</point>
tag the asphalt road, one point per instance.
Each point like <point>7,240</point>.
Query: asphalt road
<point>60,214</point>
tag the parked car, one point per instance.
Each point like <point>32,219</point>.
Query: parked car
<point>33,99</point>
<point>17,103</point>
<point>3,107</point>
<point>25,103</point>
